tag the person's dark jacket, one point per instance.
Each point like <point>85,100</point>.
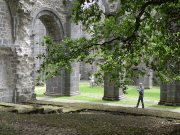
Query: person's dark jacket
<point>141,90</point>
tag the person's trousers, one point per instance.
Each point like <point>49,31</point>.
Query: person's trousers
<point>91,84</point>
<point>140,99</point>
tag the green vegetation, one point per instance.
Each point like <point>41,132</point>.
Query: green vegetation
<point>135,33</point>
<point>87,123</point>
<point>151,97</point>
<point>7,130</point>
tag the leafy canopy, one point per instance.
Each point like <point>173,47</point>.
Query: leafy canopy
<point>141,33</point>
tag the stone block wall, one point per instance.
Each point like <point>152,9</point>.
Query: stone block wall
<point>17,20</point>
<point>8,57</point>
<point>17,31</point>
<point>5,25</point>
<point>8,74</point>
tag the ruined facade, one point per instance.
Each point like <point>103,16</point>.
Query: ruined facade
<point>17,46</point>
<point>19,21</point>
<point>22,25</point>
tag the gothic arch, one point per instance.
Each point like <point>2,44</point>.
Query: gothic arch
<point>65,84</point>
<point>51,21</point>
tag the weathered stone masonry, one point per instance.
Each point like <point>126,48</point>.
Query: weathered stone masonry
<point>17,19</point>
<point>17,50</point>
<point>18,33</point>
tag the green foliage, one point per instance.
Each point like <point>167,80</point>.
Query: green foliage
<point>138,32</point>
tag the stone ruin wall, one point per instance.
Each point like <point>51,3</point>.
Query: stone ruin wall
<point>17,45</point>
<point>15,32</point>
<point>8,59</point>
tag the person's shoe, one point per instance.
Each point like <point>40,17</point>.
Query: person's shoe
<point>135,107</point>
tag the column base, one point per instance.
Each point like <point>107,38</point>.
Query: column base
<point>72,94</point>
<point>33,96</point>
<point>53,94</point>
<point>148,87</point>
<point>168,103</point>
<point>120,98</point>
<point>61,94</point>
<point>161,102</point>
<point>172,104</point>
<point>176,104</point>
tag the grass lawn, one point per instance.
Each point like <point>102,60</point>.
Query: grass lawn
<point>151,97</point>
<point>91,122</point>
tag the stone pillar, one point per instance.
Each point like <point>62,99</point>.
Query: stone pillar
<point>56,86</point>
<point>84,71</point>
<point>177,93</point>
<point>111,92</point>
<point>72,81</point>
<point>95,69</point>
<point>146,80</point>
<point>170,94</point>
<point>163,94</point>
<point>64,85</point>
<point>33,96</point>
<point>171,88</point>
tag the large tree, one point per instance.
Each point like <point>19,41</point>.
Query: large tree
<point>140,31</point>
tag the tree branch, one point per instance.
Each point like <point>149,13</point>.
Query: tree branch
<point>138,20</point>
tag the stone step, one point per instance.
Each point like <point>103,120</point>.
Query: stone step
<point>30,108</point>
<point>9,104</point>
<point>52,109</point>
<point>71,109</point>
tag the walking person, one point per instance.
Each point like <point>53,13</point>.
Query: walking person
<point>141,95</point>
<point>91,81</point>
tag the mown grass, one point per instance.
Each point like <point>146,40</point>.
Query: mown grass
<point>76,123</point>
<point>124,121</point>
<point>151,97</point>
<point>7,130</point>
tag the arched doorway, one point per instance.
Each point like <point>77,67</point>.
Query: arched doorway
<point>66,84</point>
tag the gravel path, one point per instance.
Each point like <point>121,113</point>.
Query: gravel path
<point>110,104</point>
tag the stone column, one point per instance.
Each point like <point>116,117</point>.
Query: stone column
<point>171,88</point>
<point>163,94</point>
<point>56,86</point>
<point>84,71</point>
<point>72,81</point>
<point>33,97</point>
<point>170,94</point>
<point>95,69</point>
<point>146,80</point>
<point>111,92</point>
<point>67,84</point>
<point>177,93</point>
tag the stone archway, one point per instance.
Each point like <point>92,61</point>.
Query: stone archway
<point>66,84</point>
